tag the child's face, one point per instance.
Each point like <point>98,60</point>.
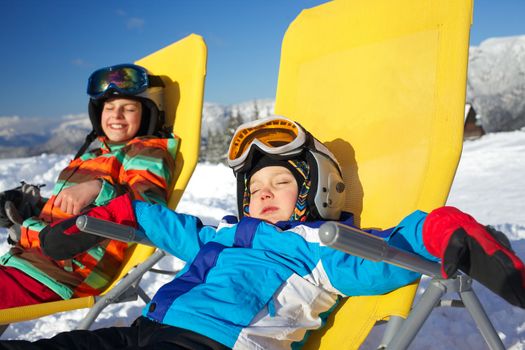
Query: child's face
<point>121,119</point>
<point>273,194</point>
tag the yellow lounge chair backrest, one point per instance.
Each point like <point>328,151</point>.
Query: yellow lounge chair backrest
<point>182,65</point>
<point>383,84</point>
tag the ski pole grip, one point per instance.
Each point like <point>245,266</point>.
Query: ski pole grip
<point>109,230</point>
<point>365,245</point>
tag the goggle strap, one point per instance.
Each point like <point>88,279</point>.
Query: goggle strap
<point>319,147</point>
<point>155,81</point>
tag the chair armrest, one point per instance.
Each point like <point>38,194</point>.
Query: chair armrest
<point>365,245</point>
<point>111,230</point>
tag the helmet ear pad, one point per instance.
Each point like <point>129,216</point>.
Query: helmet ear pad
<point>151,122</point>
<point>95,115</point>
<point>152,119</point>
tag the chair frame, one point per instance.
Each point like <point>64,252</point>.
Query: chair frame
<point>127,290</point>
<point>401,333</point>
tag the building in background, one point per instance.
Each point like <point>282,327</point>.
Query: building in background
<point>473,128</point>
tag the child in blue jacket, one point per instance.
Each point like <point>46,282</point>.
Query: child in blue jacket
<point>264,282</point>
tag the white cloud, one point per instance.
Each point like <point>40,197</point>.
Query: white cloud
<point>132,23</point>
<point>6,121</point>
<point>79,62</point>
<point>135,23</point>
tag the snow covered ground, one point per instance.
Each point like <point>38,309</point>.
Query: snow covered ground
<point>489,184</point>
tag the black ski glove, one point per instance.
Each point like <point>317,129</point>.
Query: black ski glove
<point>19,203</point>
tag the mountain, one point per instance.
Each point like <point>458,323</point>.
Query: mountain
<point>215,116</point>
<point>496,83</point>
<point>219,122</point>
<point>24,137</point>
<point>495,87</point>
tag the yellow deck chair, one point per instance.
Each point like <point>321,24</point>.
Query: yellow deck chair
<point>182,66</point>
<point>383,84</point>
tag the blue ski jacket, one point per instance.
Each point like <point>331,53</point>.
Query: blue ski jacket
<point>254,285</point>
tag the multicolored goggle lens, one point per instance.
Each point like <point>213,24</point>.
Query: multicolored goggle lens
<point>272,135</point>
<point>126,79</point>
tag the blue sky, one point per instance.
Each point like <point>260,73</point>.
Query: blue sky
<point>49,48</point>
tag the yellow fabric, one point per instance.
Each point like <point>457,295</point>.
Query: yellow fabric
<point>182,66</point>
<point>358,315</point>
<point>24,313</point>
<point>382,83</point>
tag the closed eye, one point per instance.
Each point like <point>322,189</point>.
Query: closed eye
<point>283,182</point>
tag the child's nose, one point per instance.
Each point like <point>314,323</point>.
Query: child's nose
<point>266,193</point>
<point>119,113</point>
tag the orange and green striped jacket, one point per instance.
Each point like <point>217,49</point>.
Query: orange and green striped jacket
<point>143,167</point>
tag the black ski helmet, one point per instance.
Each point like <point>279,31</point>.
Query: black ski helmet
<point>134,83</point>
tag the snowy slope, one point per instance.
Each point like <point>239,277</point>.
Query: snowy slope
<point>489,184</point>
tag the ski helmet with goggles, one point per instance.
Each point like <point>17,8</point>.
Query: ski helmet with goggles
<point>127,81</point>
<point>282,139</point>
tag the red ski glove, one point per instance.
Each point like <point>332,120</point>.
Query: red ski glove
<point>63,240</point>
<point>481,252</point>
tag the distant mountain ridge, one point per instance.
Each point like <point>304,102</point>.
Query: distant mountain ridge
<point>25,137</point>
<point>495,87</point>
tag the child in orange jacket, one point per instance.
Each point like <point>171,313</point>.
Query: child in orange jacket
<point>136,156</point>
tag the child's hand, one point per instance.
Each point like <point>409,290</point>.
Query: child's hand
<point>481,252</point>
<point>63,240</point>
<point>75,198</point>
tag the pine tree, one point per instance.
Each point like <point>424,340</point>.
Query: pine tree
<point>256,111</point>
<point>214,147</point>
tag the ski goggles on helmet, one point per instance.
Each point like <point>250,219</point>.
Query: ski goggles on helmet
<point>124,79</point>
<point>275,136</point>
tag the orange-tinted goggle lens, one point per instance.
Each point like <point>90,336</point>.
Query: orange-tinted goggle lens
<point>272,134</point>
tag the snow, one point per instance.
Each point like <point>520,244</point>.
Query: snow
<point>495,86</point>
<point>489,184</point>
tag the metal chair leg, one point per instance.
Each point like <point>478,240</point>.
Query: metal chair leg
<point>3,328</point>
<point>392,328</point>
<point>479,315</point>
<point>418,316</point>
<point>120,288</point>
